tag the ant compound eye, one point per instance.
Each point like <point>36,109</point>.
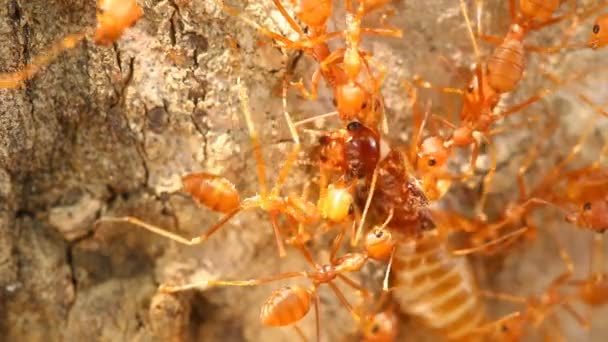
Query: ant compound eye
<point>470,88</point>
<point>351,209</point>
<point>375,328</point>
<point>587,206</point>
<point>596,28</point>
<point>504,328</point>
<point>378,233</point>
<point>432,162</point>
<point>354,126</point>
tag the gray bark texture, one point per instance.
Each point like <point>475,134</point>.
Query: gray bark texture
<point>109,131</point>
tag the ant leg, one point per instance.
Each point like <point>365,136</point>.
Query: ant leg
<point>317,313</point>
<point>596,262</point>
<point>292,23</point>
<point>315,118</point>
<point>163,232</point>
<point>277,235</point>
<point>575,150</point>
<point>566,259</point>
<point>250,282</point>
<point>293,155</point>
<point>499,322</point>
<point>465,14</point>
<point>15,79</point>
<point>420,82</point>
<point>503,296</point>
<point>474,156</point>
<point>385,286</point>
<point>368,202</point>
<point>496,40</point>
<point>314,87</point>
<point>343,300</point>
<point>583,322</point>
<point>334,57</point>
<point>336,246</point>
<point>585,99</point>
<point>487,181</point>
<point>509,236</point>
<point>300,333</point>
<point>544,92</point>
<point>355,285</point>
<point>268,33</point>
<point>387,32</point>
<point>255,140</point>
<point>513,11</point>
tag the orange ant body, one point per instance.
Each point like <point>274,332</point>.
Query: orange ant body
<point>219,193</point>
<point>113,18</point>
<point>289,304</point>
<point>352,99</point>
<point>599,33</point>
<point>593,290</point>
<point>587,188</point>
<point>501,74</point>
<point>538,308</point>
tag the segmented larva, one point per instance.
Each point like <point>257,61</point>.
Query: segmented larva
<point>437,287</point>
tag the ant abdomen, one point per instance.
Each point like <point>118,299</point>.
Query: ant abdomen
<point>215,192</point>
<point>113,17</point>
<point>285,306</point>
<point>506,66</point>
<point>541,10</point>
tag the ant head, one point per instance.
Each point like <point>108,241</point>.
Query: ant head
<point>113,17</point>
<point>313,13</point>
<point>592,215</point>
<point>433,153</point>
<point>379,243</point>
<point>351,98</point>
<point>380,327</point>
<point>337,205</point>
<point>599,33</point>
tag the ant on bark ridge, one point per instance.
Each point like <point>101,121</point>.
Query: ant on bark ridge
<point>113,18</point>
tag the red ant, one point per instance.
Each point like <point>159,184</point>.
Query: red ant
<point>220,194</point>
<point>352,99</point>
<point>113,18</point>
<point>290,304</point>
<point>538,308</point>
<point>503,71</point>
<point>593,290</point>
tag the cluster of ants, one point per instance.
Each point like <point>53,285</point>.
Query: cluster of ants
<point>383,195</point>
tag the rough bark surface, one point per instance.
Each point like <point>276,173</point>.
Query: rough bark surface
<point>110,130</point>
